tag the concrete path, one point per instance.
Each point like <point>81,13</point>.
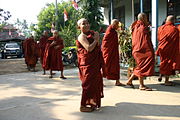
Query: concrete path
<point>32,96</point>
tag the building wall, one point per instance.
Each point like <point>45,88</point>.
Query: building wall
<point>128,13</point>
<point>162,11</point>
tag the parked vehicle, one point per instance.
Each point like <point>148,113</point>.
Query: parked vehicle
<point>70,57</point>
<point>11,49</point>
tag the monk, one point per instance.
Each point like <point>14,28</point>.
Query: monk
<point>53,55</point>
<point>168,49</point>
<point>110,51</point>
<point>89,64</point>
<point>30,53</point>
<point>42,44</point>
<point>142,51</point>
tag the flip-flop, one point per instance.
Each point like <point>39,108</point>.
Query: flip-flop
<point>130,85</point>
<point>63,77</point>
<point>50,76</point>
<point>119,84</point>
<point>145,88</point>
<point>169,84</point>
<point>86,109</point>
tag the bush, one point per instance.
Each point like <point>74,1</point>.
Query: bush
<point>125,42</point>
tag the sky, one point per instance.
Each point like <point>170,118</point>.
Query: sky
<point>24,9</point>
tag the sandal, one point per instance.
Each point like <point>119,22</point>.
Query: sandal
<point>50,76</point>
<point>130,85</point>
<point>168,83</point>
<point>119,84</point>
<point>145,88</point>
<point>63,77</point>
<point>86,109</point>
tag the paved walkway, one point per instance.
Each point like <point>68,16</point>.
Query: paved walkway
<point>32,96</point>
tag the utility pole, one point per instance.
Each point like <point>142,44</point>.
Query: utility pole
<point>56,15</point>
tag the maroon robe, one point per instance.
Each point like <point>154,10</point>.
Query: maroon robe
<point>30,52</point>
<point>53,57</point>
<point>168,48</point>
<point>142,50</point>
<point>42,45</point>
<point>90,64</point>
<point>110,51</point>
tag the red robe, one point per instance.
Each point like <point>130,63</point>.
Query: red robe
<point>142,50</point>
<point>168,48</point>
<point>53,57</point>
<point>42,45</point>
<point>90,64</point>
<point>110,51</point>
<point>30,52</point>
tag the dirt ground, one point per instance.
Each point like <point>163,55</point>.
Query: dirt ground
<point>15,65</point>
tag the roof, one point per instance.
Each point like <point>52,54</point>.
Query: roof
<point>9,32</point>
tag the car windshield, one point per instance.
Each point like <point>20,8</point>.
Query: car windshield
<point>12,46</point>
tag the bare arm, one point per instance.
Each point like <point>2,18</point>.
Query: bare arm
<point>84,42</point>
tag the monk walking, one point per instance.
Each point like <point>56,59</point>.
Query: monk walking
<point>53,55</point>
<point>110,50</point>
<point>90,64</point>
<point>30,53</point>
<point>42,44</point>
<point>142,51</point>
<point>168,49</point>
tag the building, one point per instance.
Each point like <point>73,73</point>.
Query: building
<point>127,10</point>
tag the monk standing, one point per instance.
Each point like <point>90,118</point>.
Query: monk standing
<point>30,53</point>
<point>53,55</point>
<point>142,51</point>
<point>110,50</point>
<point>168,49</point>
<point>89,63</point>
<point>42,44</point>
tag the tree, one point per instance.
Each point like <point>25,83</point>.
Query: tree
<point>92,11</point>
<point>23,27</point>
<point>4,16</point>
<point>68,29</point>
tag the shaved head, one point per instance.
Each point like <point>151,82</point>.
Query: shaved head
<point>170,18</point>
<point>141,16</point>
<point>115,23</point>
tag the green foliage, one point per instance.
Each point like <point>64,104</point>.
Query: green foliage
<point>66,49</point>
<point>92,12</point>
<point>68,30</point>
<point>125,42</point>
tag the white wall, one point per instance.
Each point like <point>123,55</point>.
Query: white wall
<point>106,16</point>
